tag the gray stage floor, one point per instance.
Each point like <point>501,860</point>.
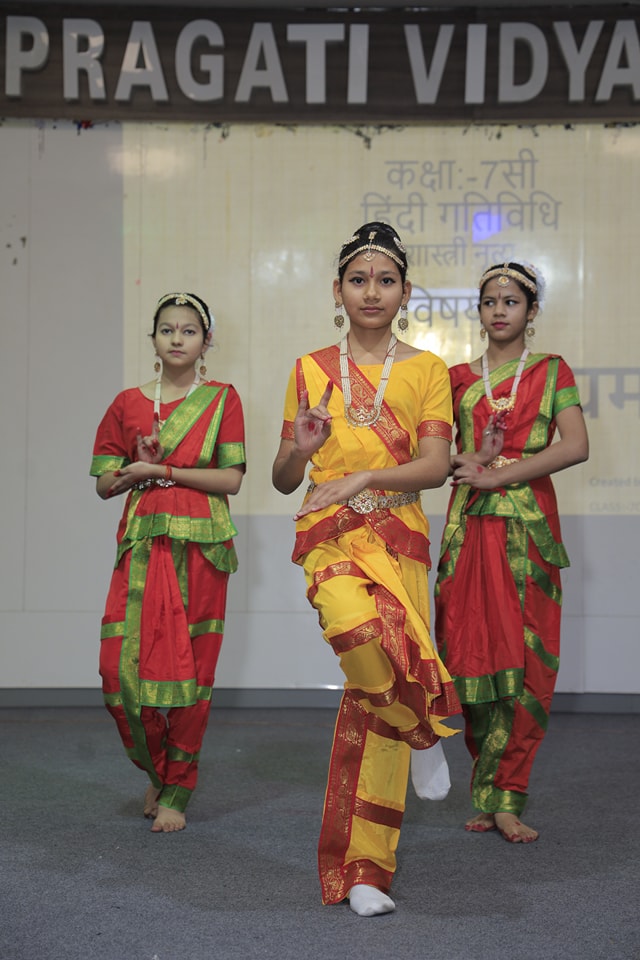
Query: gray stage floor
<point>82,877</point>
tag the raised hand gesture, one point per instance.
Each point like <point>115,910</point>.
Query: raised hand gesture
<point>148,448</point>
<point>492,438</point>
<point>312,426</point>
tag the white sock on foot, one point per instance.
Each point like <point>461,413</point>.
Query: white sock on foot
<point>430,773</point>
<point>368,901</point>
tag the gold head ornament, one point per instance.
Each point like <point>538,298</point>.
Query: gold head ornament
<point>507,272</point>
<point>186,300</point>
<point>369,250</point>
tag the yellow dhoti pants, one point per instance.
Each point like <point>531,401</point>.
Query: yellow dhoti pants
<point>374,611</point>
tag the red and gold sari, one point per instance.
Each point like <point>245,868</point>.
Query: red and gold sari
<point>164,617</point>
<point>498,593</point>
<point>366,576</point>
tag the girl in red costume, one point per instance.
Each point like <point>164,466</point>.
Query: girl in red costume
<point>498,594</point>
<point>175,447</point>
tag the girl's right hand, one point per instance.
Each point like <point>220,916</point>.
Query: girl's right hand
<point>492,438</point>
<point>312,426</point>
<point>149,449</point>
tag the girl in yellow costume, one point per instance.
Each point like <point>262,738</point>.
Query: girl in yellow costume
<point>373,415</point>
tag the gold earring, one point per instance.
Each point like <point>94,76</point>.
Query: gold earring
<point>202,370</point>
<point>339,318</point>
<point>158,366</point>
<point>403,321</point>
<point>483,333</point>
<point>530,331</point>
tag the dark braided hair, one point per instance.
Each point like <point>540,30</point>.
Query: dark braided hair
<point>525,277</point>
<point>378,236</point>
<point>196,303</point>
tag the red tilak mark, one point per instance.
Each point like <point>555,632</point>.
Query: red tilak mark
<point>371,273</point>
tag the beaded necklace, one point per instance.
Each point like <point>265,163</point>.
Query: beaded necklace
<point>503,404</point>
<point>158,394</point>
<point>360,416</point>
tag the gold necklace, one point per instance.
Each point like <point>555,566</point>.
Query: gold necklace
<point>360,416</point>
<point>503,404</point>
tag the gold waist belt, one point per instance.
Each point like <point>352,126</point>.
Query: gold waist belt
<point>369,500</point>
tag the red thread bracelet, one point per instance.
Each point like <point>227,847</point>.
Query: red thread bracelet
<point>167,472</point>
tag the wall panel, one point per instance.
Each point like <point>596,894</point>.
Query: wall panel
<point>251,218</point>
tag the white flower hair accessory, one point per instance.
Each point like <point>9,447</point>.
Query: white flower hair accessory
<point>541,283</point>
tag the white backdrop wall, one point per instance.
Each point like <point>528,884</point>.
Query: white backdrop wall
<point>97,223</point>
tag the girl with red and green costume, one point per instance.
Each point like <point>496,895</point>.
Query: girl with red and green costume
<point>498,593</point>
<point>175,447</point>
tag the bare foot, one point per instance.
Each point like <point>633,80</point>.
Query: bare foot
<point>481,823</point>
<point>513,829</point>
<point>151,802</point>
<point>168,820</point>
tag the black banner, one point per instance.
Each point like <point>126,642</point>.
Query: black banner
<point>356,67</point>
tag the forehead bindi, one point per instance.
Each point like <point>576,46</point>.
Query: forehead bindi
<point>179,317</point>
<point>501,291</point>
<point>379,265</point>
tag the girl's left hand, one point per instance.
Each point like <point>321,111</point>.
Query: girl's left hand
<point>331,492</point>
<point>127,476</point>
<point>475,475</point>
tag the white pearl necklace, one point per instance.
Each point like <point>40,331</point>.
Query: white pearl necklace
<point>157,397</point>
<point>503,404</point>
<point>360,416</point>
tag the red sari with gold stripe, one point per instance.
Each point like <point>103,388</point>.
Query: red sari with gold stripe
<point>498,594</point>
<point>367,578</point>
<point>164,617</point>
